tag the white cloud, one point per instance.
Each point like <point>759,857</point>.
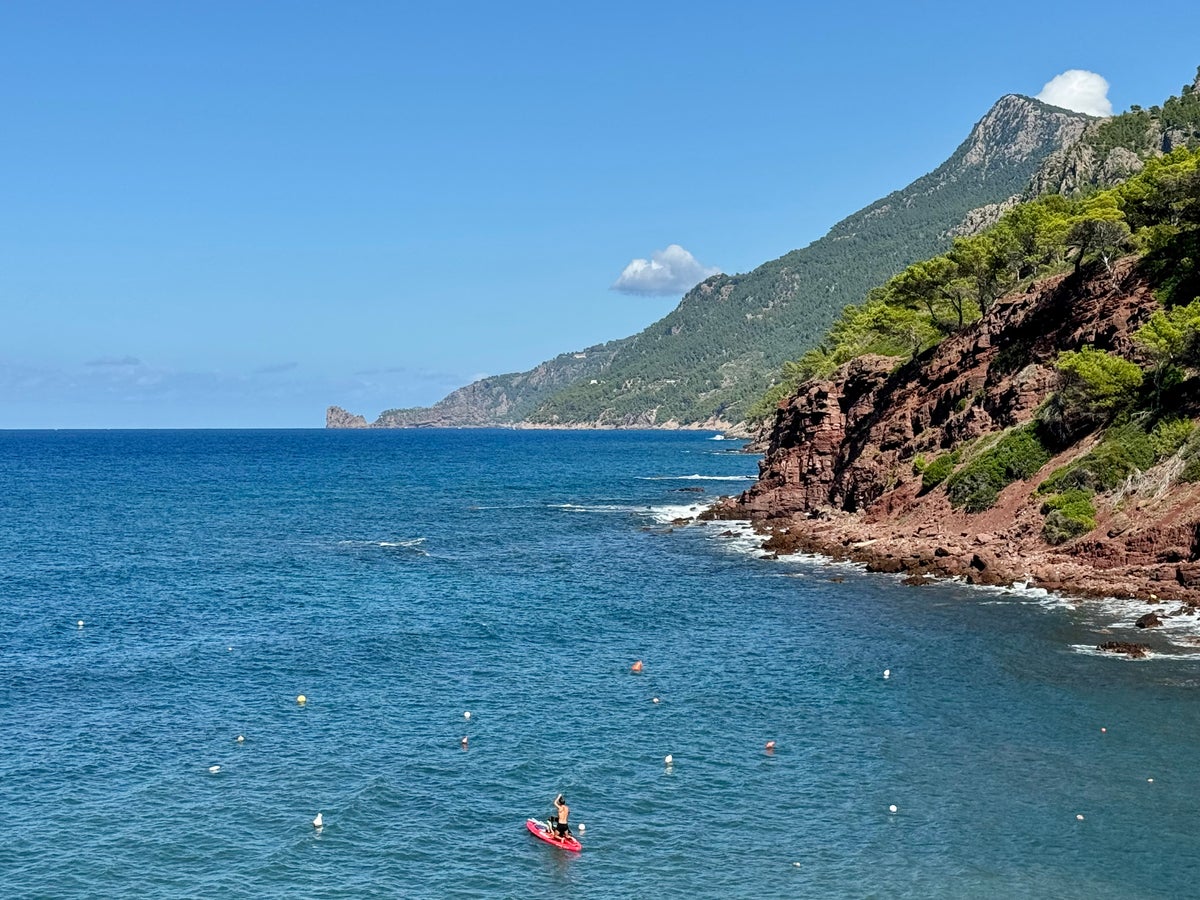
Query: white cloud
<point>1080,90</point>
<point>669,271</point>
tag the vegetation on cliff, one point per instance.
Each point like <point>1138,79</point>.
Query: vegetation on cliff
<point>711,357</point>
<point>1134,408</point>
<point>932,298</point>
<point>714,355</point>
<point>1156,212</point>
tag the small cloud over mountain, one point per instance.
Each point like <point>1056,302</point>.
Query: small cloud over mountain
<point>670,271</point>
<point>1079,90</point>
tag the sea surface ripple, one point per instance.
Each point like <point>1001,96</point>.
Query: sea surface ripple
<point>399,579</point>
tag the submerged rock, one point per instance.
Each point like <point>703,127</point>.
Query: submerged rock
<point>1149,620</point>
<point>1134,651</point>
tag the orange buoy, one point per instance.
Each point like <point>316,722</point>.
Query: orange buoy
<point>636,667</point>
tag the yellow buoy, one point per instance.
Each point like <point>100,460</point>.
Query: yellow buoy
<point>301,699</point>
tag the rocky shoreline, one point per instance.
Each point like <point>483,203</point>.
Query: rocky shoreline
<point>842,470</point>
<point>919,559</point>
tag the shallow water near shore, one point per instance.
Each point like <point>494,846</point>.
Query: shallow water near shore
<point>401,578</point>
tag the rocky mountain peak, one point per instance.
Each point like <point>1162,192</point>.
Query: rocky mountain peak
<point>1017,128</point>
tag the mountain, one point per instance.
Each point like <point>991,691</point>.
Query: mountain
<point>1051,437</point>
<point>505,399</point>
<point>715,354</point>
<point>1111,150</point>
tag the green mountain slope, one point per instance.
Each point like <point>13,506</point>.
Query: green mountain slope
<point>507,399</point>
<point>710,358</point>
<point>715,353</point>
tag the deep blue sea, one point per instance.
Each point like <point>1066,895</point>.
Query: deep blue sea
<point>400,579</point>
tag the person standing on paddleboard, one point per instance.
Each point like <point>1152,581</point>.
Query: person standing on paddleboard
<point>559,824</point>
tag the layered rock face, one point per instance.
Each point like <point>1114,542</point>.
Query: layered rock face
<point>838,476</point>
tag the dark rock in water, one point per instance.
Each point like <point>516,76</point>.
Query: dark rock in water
<point>689,490</point>
<point>889,565</point>
<point>836,580</point>
<point>1134,651</point>
<point>1149,620</point>
<point>680,521</point>
<point>728,533</point>
<point>916,580</point>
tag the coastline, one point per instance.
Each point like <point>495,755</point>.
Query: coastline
<point>929,555</point>
<point>338,418</point>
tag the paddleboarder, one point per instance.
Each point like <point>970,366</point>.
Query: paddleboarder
<point>559,824</point>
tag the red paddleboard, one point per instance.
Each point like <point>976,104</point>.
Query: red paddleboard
<point>542,833</point>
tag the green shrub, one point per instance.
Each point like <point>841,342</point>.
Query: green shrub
<point>1096,385</point>
<point>1060,527</point>
<point>938,471</point>
<point>1068,515</point>
<point>1019,454</point>
<point>1124,451</point>
<point>1074,501</point>
<point>1169,435</point>
<point>1191,471</point>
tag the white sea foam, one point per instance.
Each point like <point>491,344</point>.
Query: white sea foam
<point>411,544</point>
<point>1093,650</point>
<point>601,507</point>
<point>696,478</point>
<point>668,514</point>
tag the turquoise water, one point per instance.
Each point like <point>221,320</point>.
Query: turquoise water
<point>400,579</point>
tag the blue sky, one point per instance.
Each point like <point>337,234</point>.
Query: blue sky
<point>235,214</point>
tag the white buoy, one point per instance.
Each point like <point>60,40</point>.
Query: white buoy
<point>668,759</point>
<point>229,649</point>
<point>79,624</point>
<point>319,821</point>
<point>467,715</point>
<point>892,808</point>
<point>582,828</point>
<point>301,699</point>
<point>653,699</point>
<point>213,770</point>
<point>1149,781</point>
<point>887,673</point>
<point>241,738</point>
<point>1079,818</point>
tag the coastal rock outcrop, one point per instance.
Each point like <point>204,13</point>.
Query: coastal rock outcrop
<point>841,474</point>
<point>336,417</point>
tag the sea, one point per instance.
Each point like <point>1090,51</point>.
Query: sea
<point>168,595</point>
